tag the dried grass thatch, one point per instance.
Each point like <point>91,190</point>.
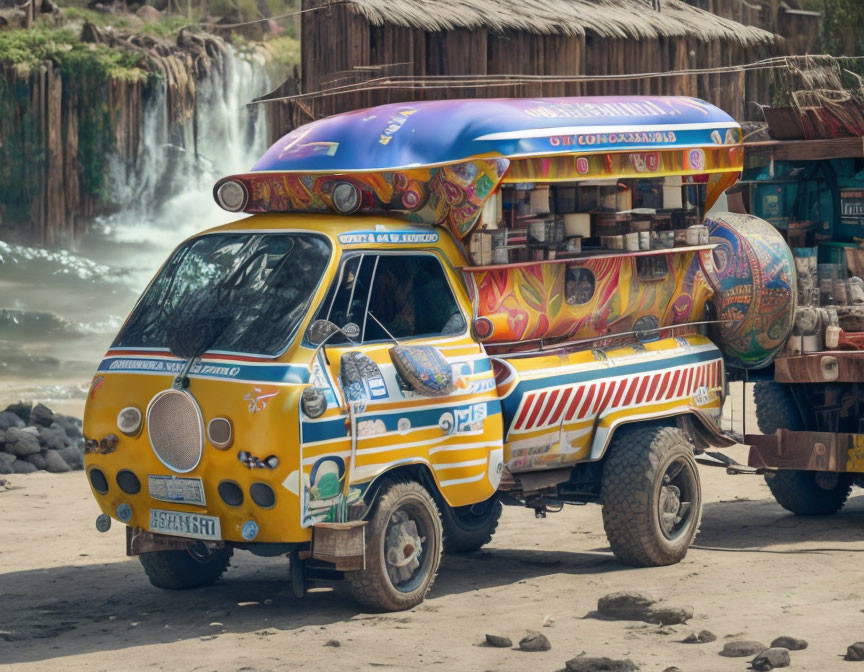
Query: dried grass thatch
<point>633,19</point>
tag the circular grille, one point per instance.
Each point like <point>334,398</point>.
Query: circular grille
<point>176,430</point>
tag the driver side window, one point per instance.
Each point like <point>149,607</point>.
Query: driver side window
<point>409,294</point>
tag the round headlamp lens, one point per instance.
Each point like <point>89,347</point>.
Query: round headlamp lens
<point>129,420</point>
<point>346,198</point>
<point>231,195</point>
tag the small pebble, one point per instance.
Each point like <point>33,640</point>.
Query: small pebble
<point>333,642</point>
<point>855,651</point>
<point>701,637</point>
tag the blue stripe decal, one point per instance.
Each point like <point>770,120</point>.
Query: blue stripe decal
<point>482,365</point>
<point>420,419</point>
<point>511,403</point>
<point>263,373</point>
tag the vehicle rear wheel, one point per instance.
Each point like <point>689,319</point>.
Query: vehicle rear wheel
<point>776,408</point>
<point>469,528</point>
<point>176,570</point>
<point>651,494</point>
<point>403,549</point>
<point>810,493</point>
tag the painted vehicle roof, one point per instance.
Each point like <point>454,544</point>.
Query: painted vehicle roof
<point>411,134</point>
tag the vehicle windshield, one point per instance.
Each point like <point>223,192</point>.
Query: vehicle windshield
<point>258,285</point>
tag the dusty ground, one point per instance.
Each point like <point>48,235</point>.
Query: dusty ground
<point>71,600</point>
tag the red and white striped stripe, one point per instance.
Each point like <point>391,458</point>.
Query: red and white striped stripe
<point>545,408</point>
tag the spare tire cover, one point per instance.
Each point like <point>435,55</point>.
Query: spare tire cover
<point>755,289</point>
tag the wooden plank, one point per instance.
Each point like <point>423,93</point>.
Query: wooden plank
<point>760,153</point>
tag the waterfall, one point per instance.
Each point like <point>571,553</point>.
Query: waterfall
<point>159,198</point>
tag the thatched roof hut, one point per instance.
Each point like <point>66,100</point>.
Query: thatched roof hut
<point>358,53</point>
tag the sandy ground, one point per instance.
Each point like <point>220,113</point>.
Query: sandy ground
<point>71,600</point>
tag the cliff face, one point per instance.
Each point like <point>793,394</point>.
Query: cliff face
<point>72,119</point>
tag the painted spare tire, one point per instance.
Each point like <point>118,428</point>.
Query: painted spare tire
<point>755,289</point>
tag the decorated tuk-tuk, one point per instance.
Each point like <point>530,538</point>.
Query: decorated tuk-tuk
<point>436,308</point>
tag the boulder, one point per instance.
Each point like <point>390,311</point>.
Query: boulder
<point>9,419</point>
<point>6,460</point>
<point>22,442</point>
<point>498,641</point>
<point>73,456</point>
<point>149,14</point>
<point>741,648</point>
<point>586,664</point>
<point>72,426</point>
<point>770,659</point>
<point>668,615</point>
<point>628,606</point>
<point>855,651</point>
<point>37,460</point>
<point>21,409</point>
<point>55,463</point>
<point>41,415</point>
<point>53,437</point>
<point>791,643</point>
<point>22,467</point>
<point>534,641</point>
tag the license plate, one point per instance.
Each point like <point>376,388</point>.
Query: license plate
<point>176,489</point>
<point>185,524</point>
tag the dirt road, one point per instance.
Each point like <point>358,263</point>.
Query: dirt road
<point>71,600</point>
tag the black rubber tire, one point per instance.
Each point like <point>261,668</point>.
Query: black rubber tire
<point>178,570</point>
<point>372,586</point>
<point>633,472</point>
<point>776,408</point>
<point>799,492</point>
<point>469,528</point>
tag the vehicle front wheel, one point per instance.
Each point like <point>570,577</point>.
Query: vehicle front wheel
<point>810,493</point>
<point>651,494</point>
<point>469,528</point>
<point>197,566</point>
<point>403,549</point>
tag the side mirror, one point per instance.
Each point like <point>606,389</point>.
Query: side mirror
<point>424,368</point>
<point>320,330</point>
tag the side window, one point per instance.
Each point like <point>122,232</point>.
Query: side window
<point>346,301</point>
<point>411,297</point>
<point>578,286</point>
<point>652,267</point>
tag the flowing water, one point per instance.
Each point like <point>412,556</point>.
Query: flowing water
<point>60,309</point>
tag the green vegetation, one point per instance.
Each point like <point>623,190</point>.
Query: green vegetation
<point>26,49</point>
<point>841,25</point>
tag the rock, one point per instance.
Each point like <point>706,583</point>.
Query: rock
<point>668,615</point>
<point>41,415</point>
<point>855,651</point>
<point>37,460</point>
<point>6,462</point>
<point>625,605</point>
<point>741,648</point>
<point>22,442</point>
<point>55,463</point>
<point>498,641</point>
<point>534,641</point>
<point>791,643</point>
<point>70,425</point>
<point>73,456</point>
<point>770,659</point>
<point>672,669</point>
<point>701,637</point>
<point>333,642</point>
<point>22,467</point>
<point>21,409</point>
<point>586,664</point>
<point>53,437</point>
<point>148,14</point>
<point>9,419</point>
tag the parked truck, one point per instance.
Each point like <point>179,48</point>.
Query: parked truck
<point>433,309</point>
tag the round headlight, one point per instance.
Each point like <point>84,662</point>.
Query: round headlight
<point>231,195</point>
<point>313,402</point>
<point>129,420</point>
<point>220,433</point>
<point>347,198</point>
